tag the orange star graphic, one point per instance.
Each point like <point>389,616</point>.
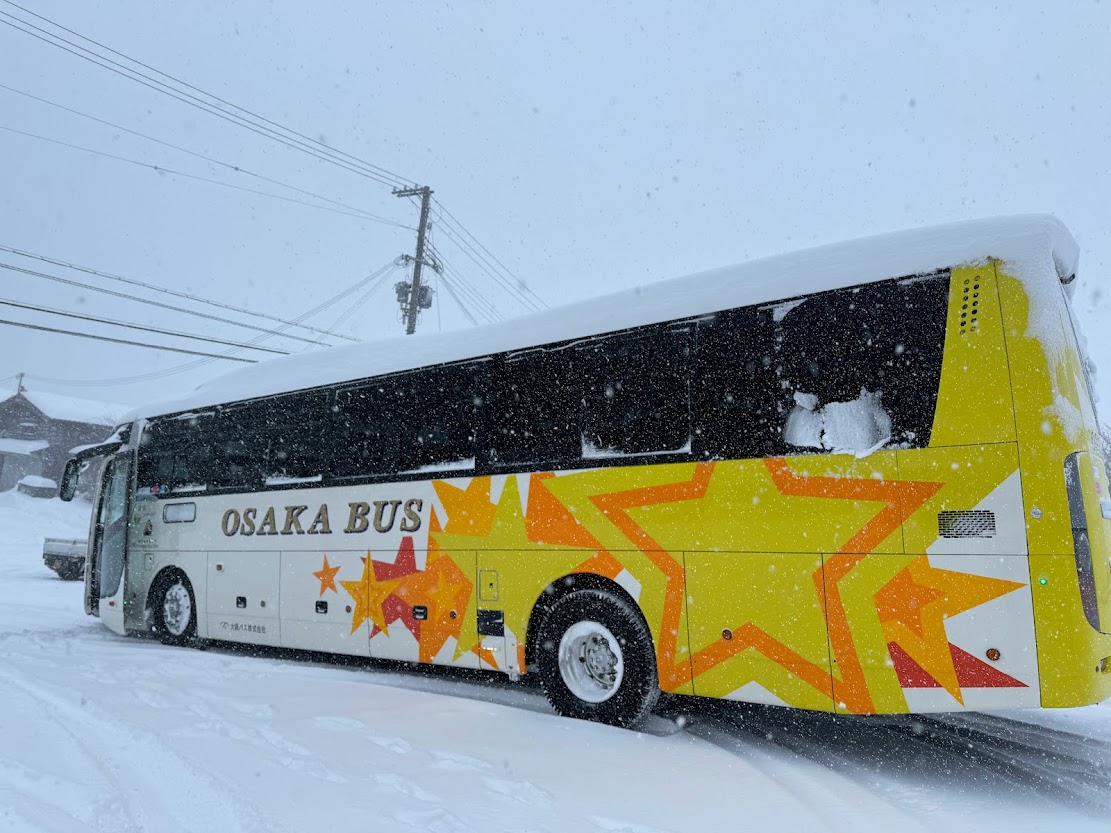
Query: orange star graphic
<point>369,594</point>
<point>442,587</point>
<point>913,608</point>
<point>327,576</point>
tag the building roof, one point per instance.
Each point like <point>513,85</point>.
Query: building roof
<point>10,445</point>
<point>1035,248</point>
<point>72,409</point>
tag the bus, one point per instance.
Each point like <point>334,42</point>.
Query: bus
<point>863,478</point>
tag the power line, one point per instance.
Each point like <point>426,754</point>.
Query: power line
<point>355,307</point>
<point>153,303</point>
<point>468,291</point>
<point>485,307</point>
<point>122,380</point>
<point>475,258</point>
<point>481,255</point>
<point>228,165</point>
<point>451,217</point>
<point>164,170</point>
<point>125,341</point>
<point>398,179</point>
<point>358,285</point>
<point>142,327</point>
<point>451,291</point>
<point>172,292</point>
<point>309,146</point>
<point>171,371</point>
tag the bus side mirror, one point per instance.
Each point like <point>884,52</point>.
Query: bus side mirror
<point>69,480</point>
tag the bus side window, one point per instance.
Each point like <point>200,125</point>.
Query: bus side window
<point>367,433</point>
<point>176,453</point>
<point>437,415</point>
<point>298,442</point>
<point>739,390</point>
<point>637,397</point>
<point>864,364</point>
<point>239,447</point>
<point>534,412</point>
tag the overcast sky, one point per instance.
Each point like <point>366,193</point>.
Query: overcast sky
<point>588,150</point>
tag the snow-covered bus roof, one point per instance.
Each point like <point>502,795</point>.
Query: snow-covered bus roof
<point>1032,245</point>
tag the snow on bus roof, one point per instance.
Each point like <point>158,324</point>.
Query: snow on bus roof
<point>1034,246</point>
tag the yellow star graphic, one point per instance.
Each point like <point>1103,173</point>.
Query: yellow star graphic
<point>327,576</point>
<point>369,594</point>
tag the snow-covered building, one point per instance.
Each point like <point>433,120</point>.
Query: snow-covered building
<point>38,430</point>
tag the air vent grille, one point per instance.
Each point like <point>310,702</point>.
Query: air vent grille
<point>970,307</point>
<point>974,523</point>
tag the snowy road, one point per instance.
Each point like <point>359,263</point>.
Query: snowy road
<point>99,732</point>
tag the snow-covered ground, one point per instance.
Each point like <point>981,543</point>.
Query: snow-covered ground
<point>98,732</point>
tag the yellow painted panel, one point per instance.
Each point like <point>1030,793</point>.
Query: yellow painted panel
<point>965,476</point>
<point>1074,660</point>
<point>864,678</point>
<point>756,621</point>
<point>814,503</point>
<point>1049,413</point>
<point>974,399</point>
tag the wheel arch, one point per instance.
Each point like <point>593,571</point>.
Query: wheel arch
<point>564,586</point>
<point>160,580</point>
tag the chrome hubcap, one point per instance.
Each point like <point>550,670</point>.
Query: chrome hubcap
<point>591,661</point>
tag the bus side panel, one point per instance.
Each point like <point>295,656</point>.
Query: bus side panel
<point>317,608</point>
<point>758,629</point>
<point>961,629</point>
<point>1053,420</point>
<point>243,597</point>
<point>532,530</point>
<point>974,399</point>
<point>422,605</point>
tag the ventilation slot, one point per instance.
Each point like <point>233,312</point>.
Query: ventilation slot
<point>975,523</point>
<point>970,309</point>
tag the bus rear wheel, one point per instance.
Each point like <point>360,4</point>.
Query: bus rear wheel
<point>174,610</point>
<point>596,659</point>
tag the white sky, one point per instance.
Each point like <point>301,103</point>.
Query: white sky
<point>590,150</point>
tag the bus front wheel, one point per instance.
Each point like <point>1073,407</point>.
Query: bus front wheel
<point>174,610</point>
<point>596,659</point>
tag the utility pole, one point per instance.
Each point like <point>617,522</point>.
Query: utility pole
<point>413,297</point>
<point>19,385</point>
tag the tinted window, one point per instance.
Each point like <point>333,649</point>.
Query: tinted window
<point>846,370</point>
<point>636,393</point>
<point>740,413</point>
<point>534,413</point>
<point>424,420</point>
<point>177,452</point>
<point>437,410</point>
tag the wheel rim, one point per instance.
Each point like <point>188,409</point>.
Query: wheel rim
<point>177,609</point>
<point>591,662</point>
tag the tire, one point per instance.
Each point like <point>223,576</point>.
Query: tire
<point>174,610</point>
<point>596,659</point>
<point>71,572</point>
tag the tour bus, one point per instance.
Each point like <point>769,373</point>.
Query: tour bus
<point>862,479</point>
